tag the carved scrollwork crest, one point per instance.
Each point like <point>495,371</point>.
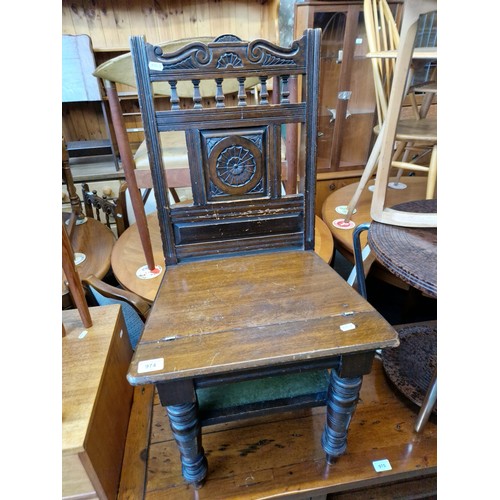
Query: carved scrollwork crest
<point>267,54</point>
<point>198,55</point>
<point>192,56</point>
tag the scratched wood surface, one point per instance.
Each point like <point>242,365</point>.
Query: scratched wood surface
<point>281,455</point>
<point>204,305</point>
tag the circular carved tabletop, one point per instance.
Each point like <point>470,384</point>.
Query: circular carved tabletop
<point>409,253</point>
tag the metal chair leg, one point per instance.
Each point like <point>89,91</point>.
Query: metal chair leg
<point>358,258</point>
<point>427,404</point>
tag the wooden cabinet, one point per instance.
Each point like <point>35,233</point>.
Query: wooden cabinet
<point>347,111</point>
<point>96,402</point>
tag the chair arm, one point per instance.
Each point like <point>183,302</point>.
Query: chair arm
<point>138,303</point>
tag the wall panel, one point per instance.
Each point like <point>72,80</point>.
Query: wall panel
<point>110,23</point>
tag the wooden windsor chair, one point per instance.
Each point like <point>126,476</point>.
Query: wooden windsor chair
<point>415,137</point>
<point>413,11</point>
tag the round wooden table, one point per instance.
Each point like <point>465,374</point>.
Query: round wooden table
<point>411,254</point>
<point>342,238</point>
<point>128,256</point>
<point>94,240</point>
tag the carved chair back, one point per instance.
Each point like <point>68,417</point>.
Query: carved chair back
<point>110,210</point>
<point>233,150</point>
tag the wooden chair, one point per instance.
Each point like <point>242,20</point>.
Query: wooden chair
<point>110,210</point>
<point>413,10</point>
<point>92,289</point>
<point>248,319</point>
<point>416,137</point>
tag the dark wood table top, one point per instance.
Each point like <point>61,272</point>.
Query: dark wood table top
<point>409,253</point>
<point>128,256</point>
<point>343,237</point>
<point>95,241</point>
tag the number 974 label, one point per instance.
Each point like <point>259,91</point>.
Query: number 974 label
<point>150,365</point>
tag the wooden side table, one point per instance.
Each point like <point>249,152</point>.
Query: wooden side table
<point>343,238</point>
<point>92,242</point>
<point>96,402</point>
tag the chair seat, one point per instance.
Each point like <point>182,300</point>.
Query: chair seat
<point>174,151</point>
<point>276,308</point>
<point>415,130</point>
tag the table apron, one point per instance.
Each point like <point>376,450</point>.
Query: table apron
<point>184,390</point>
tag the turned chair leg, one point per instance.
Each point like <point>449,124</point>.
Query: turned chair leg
<point>432,176</point>
<point>367,174</point>
<point>342,399</point>
<point>186,429</point>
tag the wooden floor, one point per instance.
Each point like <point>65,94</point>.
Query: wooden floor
<point>280,456</point>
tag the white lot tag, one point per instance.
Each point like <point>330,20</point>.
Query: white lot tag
<point>155,66</point>
<point>151,365</point>
<point>342,224</point>
<point>397,185</point>
<point>347,326</point>
<point>79,258</point>
<point>381,465</point>
<point>342,210</point>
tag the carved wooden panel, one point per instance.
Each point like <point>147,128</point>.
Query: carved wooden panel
<point>234,148</point>
<point>236,163</point>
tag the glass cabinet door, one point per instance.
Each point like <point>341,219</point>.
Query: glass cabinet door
<point>346,114</point>
<point>333,25</point>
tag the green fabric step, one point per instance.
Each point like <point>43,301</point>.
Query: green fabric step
<point>278,387</point>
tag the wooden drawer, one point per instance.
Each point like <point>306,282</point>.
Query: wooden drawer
<point>96,402</point>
